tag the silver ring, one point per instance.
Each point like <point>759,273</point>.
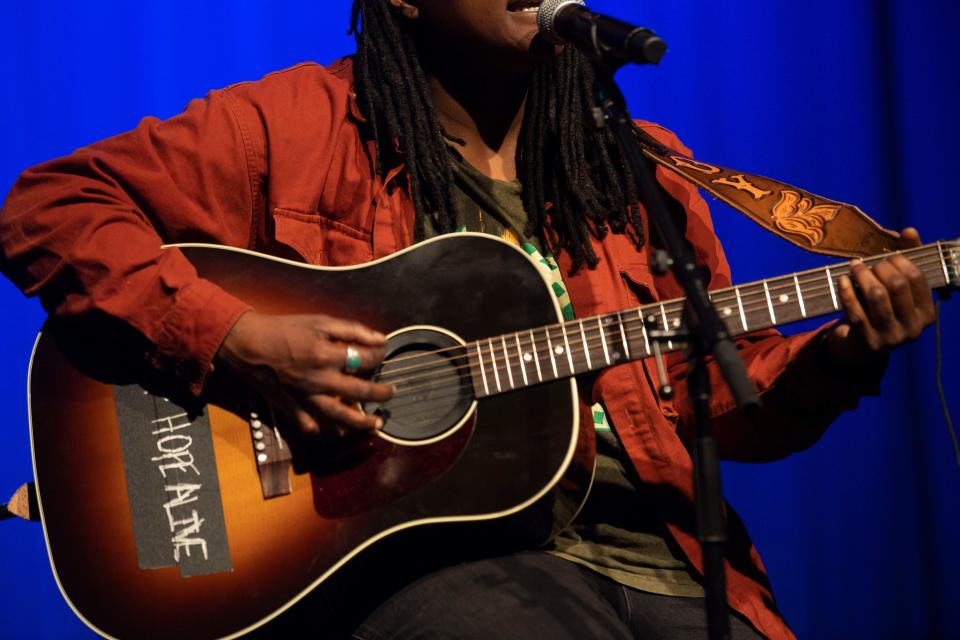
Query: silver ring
<point>352,362</point>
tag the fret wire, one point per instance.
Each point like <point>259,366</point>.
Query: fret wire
<point>623,334</point>
<point>506,359</point>
<point>586,348</point>
<point>803,306</point>
<point>766,290</point>
<point>536,355</point>
<point>833,290</point>
<point>553,361</point>
<point>566,343</point>
<point>603,340</point>
<point>523,367</point>
<point>643,327</point>
<point>496,367</point>
<point>743,314</point>
<point>483,371</point>
<point>943,262</point>
<point>666,324</point>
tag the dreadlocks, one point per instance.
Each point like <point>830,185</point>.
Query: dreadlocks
<point>575,181</point>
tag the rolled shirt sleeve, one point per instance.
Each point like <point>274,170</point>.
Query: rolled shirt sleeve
<point>84,232</point>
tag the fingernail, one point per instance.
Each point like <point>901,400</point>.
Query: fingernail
<point>378,424</point>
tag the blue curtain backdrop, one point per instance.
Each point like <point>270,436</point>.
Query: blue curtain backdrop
<point>856,100</point>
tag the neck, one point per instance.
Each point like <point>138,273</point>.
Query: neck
<point>485,111</point>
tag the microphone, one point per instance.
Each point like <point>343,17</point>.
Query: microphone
<point>611,40</point>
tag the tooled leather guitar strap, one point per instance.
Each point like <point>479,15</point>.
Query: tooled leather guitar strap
<point>809,221</point>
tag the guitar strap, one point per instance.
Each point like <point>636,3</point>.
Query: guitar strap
<point>22,504</point>
<point>809,221</point>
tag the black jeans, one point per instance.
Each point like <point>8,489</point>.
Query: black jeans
<point>534,595</point>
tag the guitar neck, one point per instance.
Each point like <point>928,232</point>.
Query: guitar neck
<point>517,360</point>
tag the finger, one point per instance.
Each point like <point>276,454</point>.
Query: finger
<point>329,410</point>
<point>920,290</point>
<point>353,388</point>
<point>351,331</point>
<point>909,238</point>
<point>855,314</point>
<point>878,306</point>
<point>370,357</point>
<point>291,410</point>
<point>306,424</point>
<point>334,357</point>
<point>898,289</point>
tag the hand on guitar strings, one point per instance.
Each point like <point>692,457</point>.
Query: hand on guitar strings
<point>884,307</point>
<point>297,363</point>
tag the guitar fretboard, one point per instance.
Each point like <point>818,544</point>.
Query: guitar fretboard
<point>516,360</point>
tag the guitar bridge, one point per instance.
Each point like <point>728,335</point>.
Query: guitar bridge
<point>271,452</point>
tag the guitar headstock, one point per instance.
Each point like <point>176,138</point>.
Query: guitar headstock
<point>952,251</point>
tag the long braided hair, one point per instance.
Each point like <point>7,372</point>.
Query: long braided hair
<point>575,180</point>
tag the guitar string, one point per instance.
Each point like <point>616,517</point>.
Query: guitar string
<point>931,248</point>
<point>594,340</point>
<point>751,297</point>
<point>458,380</point>
<point>752,303</point>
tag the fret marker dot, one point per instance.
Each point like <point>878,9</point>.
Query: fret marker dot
<point>617,355</point>
<point>262,457</point>
<point>558,351</point>
<point>608,320</point>
<point>261,446</point>
<point>676,324</point>
<point>728,312</point>
<point>256,424</point>
<point>652,319</point>
<point>528,357</point>
<point>784,298</point>
<point>258,435</point>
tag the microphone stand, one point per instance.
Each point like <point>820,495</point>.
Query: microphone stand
<point>705,331</point>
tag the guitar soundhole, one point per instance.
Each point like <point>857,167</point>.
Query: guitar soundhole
<point>434,389</point>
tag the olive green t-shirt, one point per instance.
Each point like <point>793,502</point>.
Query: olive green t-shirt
<point>618,533</point>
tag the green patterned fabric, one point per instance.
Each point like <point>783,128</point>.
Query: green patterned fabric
<point>618,532</point>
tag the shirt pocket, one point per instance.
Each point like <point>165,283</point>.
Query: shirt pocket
<point>319,240</point>
<point>638,282</point>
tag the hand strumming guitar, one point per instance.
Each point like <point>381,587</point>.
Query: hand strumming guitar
<point>297,364</point>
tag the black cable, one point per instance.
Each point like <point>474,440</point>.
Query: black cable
<point>940,391</point>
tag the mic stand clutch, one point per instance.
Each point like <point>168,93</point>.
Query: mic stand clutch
<point>707,335</point>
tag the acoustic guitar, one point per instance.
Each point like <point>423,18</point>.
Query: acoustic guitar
<point>168,517</point>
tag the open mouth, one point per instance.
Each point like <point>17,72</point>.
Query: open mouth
<point>524,6</point>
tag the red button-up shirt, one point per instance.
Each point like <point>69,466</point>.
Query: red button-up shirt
<point>283,166</point>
